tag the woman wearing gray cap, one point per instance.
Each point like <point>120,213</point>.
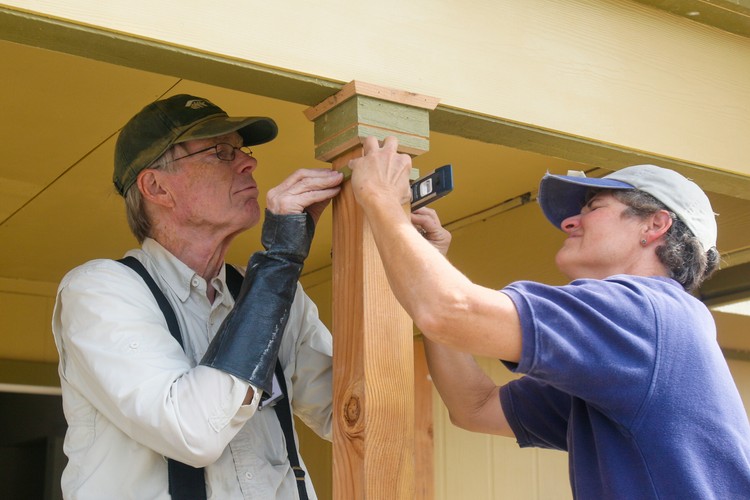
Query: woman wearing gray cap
<point>621,366</point>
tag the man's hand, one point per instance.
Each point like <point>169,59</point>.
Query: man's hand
<point>306,190</point>
<point>382,173</point>
<point>428,224</point>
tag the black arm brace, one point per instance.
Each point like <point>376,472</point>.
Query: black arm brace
<point>247,343</point>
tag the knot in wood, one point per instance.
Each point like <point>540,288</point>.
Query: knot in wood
<point>352,410</point>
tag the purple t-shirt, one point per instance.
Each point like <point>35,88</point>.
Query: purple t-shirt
<point>627,376</point>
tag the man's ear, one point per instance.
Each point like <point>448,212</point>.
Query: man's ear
<point>150,183</point>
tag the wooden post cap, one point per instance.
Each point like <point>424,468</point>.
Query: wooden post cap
<point>359,110</point>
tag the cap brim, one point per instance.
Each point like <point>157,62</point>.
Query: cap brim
<point>254,130</point>
<point>562,196</point>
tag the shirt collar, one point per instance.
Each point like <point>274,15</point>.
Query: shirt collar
<point>180,278</point>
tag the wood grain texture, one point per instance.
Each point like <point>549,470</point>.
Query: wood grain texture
<point>373,365</point>
<point>424,449</point>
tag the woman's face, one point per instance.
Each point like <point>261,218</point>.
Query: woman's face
<point>601,241</point>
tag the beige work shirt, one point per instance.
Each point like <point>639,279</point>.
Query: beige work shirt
<point>132,396</point>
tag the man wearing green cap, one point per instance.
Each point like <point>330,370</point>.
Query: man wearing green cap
<point>173,381</point>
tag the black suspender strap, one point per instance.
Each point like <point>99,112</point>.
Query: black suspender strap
<point>185,482</point>
<point>174,327</point>
<point>234,280</point>
<point>284,413</point>
<point>283,409</point>
<point>189,483</point>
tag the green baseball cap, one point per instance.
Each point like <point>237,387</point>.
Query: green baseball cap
<point>178,119</point>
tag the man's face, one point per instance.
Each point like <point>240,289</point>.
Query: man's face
<point>601,242</point>
<point>214,194</point>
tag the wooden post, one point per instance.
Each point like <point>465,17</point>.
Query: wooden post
<point>423,429</point>
<point>373,364</point>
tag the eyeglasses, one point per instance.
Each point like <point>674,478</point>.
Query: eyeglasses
<point>224,152</point>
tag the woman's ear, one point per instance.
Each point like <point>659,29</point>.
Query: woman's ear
<point>150,183</point>
<point>658,224</point>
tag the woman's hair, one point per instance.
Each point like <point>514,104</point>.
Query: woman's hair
<point>682,253</point>
<point>135,209</point>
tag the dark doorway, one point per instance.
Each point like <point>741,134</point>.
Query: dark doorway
<point>32,428</point>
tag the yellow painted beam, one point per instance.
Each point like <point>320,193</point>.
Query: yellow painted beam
<point>725,175</point>
<point>617,73</point>
<point>28,373</point>
<point>727,15</point>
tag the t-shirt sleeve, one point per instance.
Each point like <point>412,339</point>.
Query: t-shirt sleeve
<point>537,413</point>
<point>592,339</point>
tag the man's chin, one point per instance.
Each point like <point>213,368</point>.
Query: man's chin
<point>253,215</point>
<point>253,221</point>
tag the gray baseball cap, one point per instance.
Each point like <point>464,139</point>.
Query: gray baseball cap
<point>177,119</point>
<point>562,196</point>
